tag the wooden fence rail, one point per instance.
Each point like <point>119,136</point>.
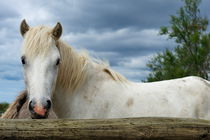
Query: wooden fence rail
<point>131,128</point>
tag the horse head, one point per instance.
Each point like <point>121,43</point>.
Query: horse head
<point>40,59</point>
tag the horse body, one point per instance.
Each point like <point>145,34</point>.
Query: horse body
<point>81,88</point>
<point>103,97</point>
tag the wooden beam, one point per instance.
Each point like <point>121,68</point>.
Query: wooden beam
<point>131,128</point>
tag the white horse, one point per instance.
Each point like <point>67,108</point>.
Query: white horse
<point>80,88</point>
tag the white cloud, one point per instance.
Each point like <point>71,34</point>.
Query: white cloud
<point>136,62</point>
<point>135,75</point>
<point>10,52</point>
<point>35,11</point>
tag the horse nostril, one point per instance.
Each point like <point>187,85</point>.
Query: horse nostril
<point>48,104</point>
<point>31,106</point>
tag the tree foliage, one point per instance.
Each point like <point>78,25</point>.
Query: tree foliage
<point>3,107</point>
<point>191,56</point>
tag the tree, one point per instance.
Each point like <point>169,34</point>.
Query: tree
<point>192,54</point>
<point>3,107</point>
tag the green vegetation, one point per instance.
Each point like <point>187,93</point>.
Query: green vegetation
<point>191,56</point>
<point>3,107</point>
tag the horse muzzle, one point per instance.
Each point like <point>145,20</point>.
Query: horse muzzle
<point>41,110</point>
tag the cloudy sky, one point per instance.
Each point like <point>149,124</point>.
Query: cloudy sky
<point>123,32</point>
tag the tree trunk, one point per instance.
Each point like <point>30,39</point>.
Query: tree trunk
<point>132,128</point>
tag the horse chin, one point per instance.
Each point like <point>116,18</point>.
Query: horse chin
<point>37,116</point>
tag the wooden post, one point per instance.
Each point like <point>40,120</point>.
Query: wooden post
<point>131,128</point>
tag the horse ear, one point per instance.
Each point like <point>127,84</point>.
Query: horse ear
<point>24,27</point>
<point>57,31</point>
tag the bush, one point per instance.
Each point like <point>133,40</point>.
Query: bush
<point>3,107</point>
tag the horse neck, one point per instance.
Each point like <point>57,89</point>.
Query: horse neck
<point>72,70</point>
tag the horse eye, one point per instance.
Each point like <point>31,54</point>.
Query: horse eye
<point>58,61</point>
<point>23,60</point>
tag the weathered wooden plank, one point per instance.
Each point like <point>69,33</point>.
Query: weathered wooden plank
<point>131,128</point>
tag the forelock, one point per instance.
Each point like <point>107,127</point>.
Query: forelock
<point>37,41</point>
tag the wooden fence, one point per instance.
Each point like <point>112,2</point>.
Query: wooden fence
<point>131,128</point>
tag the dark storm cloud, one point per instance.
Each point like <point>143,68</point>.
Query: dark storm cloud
<point>100,14</point>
